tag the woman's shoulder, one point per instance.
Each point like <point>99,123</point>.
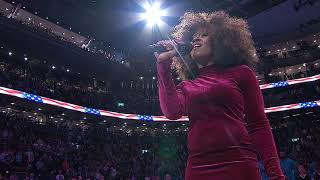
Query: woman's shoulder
<point>240,71</point>
<point>243,69</point>
<point>243,74</point>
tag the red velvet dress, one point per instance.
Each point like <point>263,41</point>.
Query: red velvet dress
<point>228,125</point>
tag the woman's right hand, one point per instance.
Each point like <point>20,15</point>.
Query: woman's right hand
<point>169,54</point>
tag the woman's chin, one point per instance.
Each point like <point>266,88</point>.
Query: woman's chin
<point>201,59</point>
<point>202,62</point>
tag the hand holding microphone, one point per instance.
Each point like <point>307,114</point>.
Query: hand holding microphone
<point>166,49</point>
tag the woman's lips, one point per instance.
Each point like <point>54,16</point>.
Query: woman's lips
<point>196,45</point>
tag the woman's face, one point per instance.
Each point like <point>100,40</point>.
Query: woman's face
<point>201,47</point>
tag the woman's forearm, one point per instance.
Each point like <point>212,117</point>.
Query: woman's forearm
<point>172,98</point>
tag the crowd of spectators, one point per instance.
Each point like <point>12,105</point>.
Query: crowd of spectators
<point>298,140</point>
<point>34,151</point>
<point>298,93</point>
<point>310,70</point>
<point>69,87</point>
<point>302,48</point>
<point>132,96</point>
<point>43,151</point>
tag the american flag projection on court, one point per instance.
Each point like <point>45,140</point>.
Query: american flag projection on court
<point>32,97</point>
<point>144,117</point>
<point>45,100</point>
<point>308,104</point>
<point>293,106</point>
<point>290,82</point>
<point>280,84</point>
<point>92,111</point>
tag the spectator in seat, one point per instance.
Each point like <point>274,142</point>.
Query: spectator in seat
<point>288,166</point>
<point>302,172</point>
<point>317,173</point>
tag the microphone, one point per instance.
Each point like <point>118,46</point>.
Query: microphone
<point>182,47</point>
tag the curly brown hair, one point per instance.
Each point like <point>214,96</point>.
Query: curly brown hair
<point>231,41</point>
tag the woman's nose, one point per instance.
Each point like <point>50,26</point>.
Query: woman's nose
<point>195,40</point>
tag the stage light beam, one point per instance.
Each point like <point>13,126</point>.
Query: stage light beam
<point>153,14</point>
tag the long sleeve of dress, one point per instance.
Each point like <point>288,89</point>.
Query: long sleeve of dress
<point>172,98</point>
<point>258,125</point>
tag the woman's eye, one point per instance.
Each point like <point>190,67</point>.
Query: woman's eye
<point>205,34</point>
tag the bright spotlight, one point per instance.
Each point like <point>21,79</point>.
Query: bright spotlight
<point>153,14</point>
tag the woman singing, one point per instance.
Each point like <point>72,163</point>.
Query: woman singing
<point>221,96</point>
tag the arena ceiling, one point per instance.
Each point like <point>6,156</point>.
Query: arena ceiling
<point>111,20</point>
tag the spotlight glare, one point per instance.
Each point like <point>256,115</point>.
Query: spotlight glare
<point>153,14</point>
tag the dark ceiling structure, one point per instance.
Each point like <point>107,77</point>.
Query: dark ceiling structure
<point>111,20</point>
